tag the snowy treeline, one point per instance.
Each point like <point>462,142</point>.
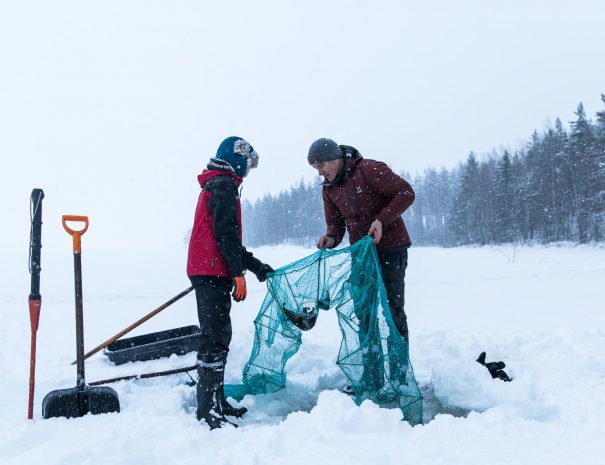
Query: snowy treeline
<point>551,190</point>
<point>295,216</point>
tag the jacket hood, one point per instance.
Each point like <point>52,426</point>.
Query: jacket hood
<point>352,159</point>
<point>350,152</point>
<point>208,174</point>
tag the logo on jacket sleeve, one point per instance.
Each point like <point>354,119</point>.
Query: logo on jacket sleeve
<point>358,189</point>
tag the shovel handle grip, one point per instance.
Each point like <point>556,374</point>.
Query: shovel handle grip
<point>75,233</point>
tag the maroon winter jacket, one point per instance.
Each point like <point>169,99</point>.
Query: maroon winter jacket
<point>369,190</point>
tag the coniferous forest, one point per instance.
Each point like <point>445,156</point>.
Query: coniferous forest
<point>551,190</point>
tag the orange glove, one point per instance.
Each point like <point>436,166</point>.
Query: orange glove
<point>239,288</point>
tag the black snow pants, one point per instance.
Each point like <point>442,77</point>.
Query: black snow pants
<point>213,295</point>
<point>393,263</point>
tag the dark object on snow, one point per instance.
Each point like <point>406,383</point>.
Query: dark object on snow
<point>305,320</point>
<point>82,399</point>
<point>35,299</point>
<point>496,369</point>
<point>152,346</point>
<point>348,390</point>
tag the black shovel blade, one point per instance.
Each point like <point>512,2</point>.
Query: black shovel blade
<point>78,401</point>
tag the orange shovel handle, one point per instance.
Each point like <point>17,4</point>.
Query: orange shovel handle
<point>75,233</point>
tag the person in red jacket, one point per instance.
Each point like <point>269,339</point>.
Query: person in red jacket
<point>366,197</point>
<point>216,264</point>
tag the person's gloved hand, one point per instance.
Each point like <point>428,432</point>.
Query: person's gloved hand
<point>261,274</point>
<point>239,288</point>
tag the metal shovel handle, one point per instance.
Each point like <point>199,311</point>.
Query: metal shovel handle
<point>76,234</point>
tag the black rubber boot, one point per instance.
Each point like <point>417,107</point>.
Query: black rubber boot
<point>228,409</point>
<point>209,388</point>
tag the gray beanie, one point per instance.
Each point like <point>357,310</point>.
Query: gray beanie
<point>324,150</point>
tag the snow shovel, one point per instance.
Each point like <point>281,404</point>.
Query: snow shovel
<point>82,399</point>
<point>35,299</point>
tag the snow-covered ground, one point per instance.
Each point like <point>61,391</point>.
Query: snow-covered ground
<point>540,309</point>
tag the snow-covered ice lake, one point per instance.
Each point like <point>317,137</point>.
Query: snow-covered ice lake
<point>539,309</point>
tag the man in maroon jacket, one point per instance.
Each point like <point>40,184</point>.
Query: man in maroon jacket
<point>216,264</point>
<point>366,197</point>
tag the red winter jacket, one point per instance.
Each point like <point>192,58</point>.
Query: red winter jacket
<point>215,247</point>
<point>368,190</point>
<point>204,257</point>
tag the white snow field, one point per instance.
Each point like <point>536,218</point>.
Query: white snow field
<point>539,309</point>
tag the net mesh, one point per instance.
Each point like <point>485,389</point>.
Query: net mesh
<point>373,355</point>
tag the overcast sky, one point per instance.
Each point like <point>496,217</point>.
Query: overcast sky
<point>114,107</point>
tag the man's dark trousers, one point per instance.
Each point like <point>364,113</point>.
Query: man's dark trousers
<point>393,263</point>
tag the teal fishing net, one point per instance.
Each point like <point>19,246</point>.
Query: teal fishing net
<point>373,355</point>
